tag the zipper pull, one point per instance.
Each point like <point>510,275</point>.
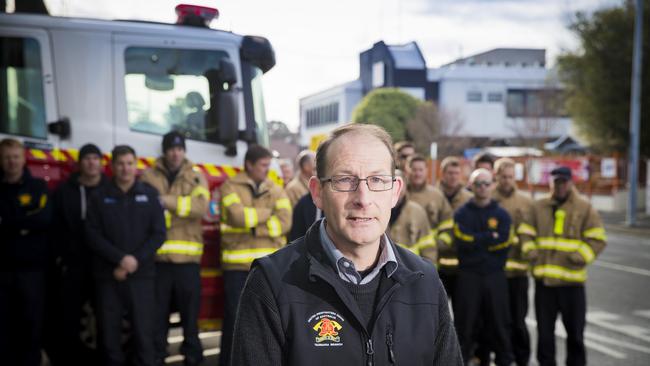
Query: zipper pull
<point>369,351</point>
<point>389,343</point>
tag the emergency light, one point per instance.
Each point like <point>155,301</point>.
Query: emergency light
<point>195,15</point>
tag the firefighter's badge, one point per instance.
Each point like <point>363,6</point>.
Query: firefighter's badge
<point>327,326</point>
<point>25,199</point>
<point>493,223</point>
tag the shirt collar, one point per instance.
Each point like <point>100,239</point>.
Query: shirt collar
<point>345,267</point>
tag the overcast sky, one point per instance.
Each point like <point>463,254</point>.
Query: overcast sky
<point>317,42</point>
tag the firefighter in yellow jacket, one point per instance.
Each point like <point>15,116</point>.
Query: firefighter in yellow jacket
<point>519,207</point>
<point>256,214</point>
<point>453,189</point>
<point>184,195</point>
<point>432,200</point>
<point>409,227</point>
<point>298,186</point>
<point>566,235</point>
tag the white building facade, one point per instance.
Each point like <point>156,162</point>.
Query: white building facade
<point>499,94</point>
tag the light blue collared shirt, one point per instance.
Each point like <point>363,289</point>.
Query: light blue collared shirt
<point>345,267</point>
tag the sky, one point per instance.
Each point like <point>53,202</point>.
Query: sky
<point>317,42</point>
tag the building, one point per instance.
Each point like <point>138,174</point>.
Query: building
<point>504,93</point>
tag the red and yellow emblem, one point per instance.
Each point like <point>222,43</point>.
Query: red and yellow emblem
<point>327,330</point>
<point>493,223</point>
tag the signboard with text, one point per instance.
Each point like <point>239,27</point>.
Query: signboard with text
<point>539,170</point>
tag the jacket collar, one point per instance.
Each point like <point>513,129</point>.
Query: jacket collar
<point>471,203</point>
<point>551,201</point>
<point>27,176</point>
<point>73,180</point>
<point>319,260</point>
<point>243,179</point>
<point>115,191</point>
<point>185,166</point>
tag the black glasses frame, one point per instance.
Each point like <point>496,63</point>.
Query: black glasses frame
<point>358,182</point>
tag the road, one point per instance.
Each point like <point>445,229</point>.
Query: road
<point>618,308</point>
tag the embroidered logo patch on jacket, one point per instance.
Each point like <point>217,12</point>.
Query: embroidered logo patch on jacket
<point>327,326</point>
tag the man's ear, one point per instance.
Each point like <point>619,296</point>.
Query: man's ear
<point>316,189</point>
<point>398,185</point>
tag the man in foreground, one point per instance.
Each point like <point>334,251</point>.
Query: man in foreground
<point>345,294</point>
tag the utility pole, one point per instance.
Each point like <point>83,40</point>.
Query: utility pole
<point>635,115</point>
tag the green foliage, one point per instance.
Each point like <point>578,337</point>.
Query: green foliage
<point>424,127</point>
<point>389,108</point>
<point>598,78</point>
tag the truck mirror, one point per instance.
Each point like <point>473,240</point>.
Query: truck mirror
<point>227,73</point>
<point>227,114</point>
<point>60,128</point>
<point>159,82</point>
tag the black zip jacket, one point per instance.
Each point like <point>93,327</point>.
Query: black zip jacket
<point>479,251</point>
<point>121,223</point>
<point>304,215</point>
<point>25,213</point>
<point>295,310</point>
<point>70,211</point>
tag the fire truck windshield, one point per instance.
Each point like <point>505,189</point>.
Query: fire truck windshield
<point>170,89</point>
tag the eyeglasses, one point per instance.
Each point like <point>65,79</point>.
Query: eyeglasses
<point>482,183</point>
<point>350,183</point>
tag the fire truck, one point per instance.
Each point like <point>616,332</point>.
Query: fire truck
<point>65,82</point>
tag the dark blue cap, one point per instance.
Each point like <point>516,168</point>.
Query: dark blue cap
<point>561,172</point>
<point>173,139</point>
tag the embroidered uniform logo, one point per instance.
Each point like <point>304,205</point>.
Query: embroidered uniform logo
<point>141,198</point>
<point>493,223</point>
<point>25,199</point>
<point>327,326</point>
<point>327,330</point>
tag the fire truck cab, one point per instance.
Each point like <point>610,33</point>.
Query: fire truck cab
<point>65,82</point>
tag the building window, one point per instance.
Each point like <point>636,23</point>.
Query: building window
<point>474,96</point>
<point>547,103</point>
<point>322,115</point>
<point>378,74</point>
<point>495,97</point>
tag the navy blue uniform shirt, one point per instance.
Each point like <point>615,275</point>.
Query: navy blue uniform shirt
<point>482,237</point>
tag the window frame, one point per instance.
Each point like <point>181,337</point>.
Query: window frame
<point>47,79</point>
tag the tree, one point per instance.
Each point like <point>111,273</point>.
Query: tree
<point>278,129</point>
<point>389,108</point>
<point>597,78</point>
<point>424,127</point>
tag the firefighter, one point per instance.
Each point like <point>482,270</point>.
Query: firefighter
<point>453,188</point>
<point>566,236</point>
<point>184,196</point>
<point>298,186</point>
<point>409,227</point>
<point>404,150</point>
<point>256,216</point>
<point>74,257</point>
<point>519,207</point>
<point>484,160</point>
<point>124,228</point>
<point>482,239</point>
<point>24,220</point>
<point>432,200</point>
